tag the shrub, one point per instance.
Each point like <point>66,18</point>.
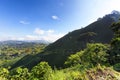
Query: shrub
<point>39,71</point>
<point>117,67</point>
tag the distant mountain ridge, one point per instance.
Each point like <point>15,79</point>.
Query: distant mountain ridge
<point>56,53</point>
<point>22,41</point>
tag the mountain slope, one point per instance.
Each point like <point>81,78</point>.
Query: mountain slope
<point>56,53</point>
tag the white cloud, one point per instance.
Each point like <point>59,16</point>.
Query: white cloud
<point>51,37</point>
<point>50,31</point>
<point>47,35</point>
<point>24,22</point>
<point>39,31</point>
<point>55,17</point>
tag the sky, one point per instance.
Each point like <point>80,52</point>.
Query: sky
<point>49,20</point>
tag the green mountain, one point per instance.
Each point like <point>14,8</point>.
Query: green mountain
<point>56,53</point>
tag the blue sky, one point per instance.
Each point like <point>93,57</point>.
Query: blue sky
<point>49,19</point>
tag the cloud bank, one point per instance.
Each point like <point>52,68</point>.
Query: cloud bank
<point>37,34</point>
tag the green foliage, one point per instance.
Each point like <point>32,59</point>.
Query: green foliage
<point>8,63</point>
<point>73,73</point>
<point>39,71</point>
<point>92,55</point>
<point>66,74</point>
<point>74,59</point>
<point>17,49</point>
<point>19,74</point>
<point>116,29</point>
<point>117,67</point>
<point>114,52</point>
<point>4,73</point>
<point>97,73</point>
<point>10,53</point>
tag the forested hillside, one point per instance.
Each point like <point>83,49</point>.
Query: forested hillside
<point>56,53</point>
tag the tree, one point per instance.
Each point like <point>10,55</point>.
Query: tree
<point>74,59</point>
<point>94,54</point>
<point>114,52</point>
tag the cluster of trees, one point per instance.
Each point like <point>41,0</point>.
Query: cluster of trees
<point>98,53</point>
<point>38,72</point>
<point>94,54</point>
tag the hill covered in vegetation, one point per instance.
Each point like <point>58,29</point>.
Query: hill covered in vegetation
<point>94,61</point>
<point>56,53</point>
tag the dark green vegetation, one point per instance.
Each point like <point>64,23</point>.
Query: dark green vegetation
<point>89,60</point>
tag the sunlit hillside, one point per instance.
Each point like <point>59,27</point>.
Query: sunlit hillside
<point>59,40</point>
